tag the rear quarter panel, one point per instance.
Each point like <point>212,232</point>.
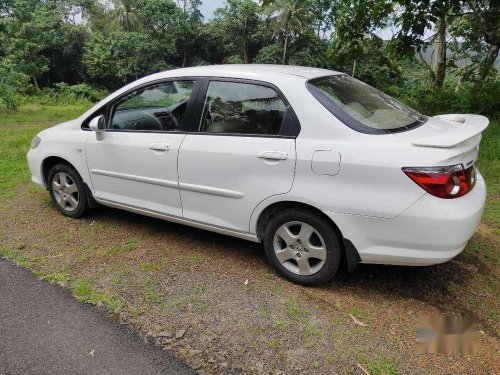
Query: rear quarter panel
<point>370,181</point>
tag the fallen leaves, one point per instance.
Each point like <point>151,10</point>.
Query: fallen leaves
<point>357,321</point>
<point>179,334</point>
<point>365,371</point>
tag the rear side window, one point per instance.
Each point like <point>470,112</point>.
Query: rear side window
<point>362,107</point>
<point>242,108</point>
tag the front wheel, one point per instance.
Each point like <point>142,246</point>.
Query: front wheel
<point>67,191</point>
<point>302,246</point>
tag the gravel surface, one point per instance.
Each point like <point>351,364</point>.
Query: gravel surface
<point>44,330</point>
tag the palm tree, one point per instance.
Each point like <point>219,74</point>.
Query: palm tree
<point>126,17</point>
<point>291,17</point>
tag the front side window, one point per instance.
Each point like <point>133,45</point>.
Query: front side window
<point>242,108</point>
<point>362,107</point>
<point>160,107</point>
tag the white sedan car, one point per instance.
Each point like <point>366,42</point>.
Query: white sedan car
<point>314,164</point>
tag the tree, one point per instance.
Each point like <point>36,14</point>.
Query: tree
<point>122,57</point>
<point>190,24</point>
<point>125,12</point>
<point>487,16</point>
<point>324,12</point>
<point>237,26</point>
<point>291,17</point>
<point>32,29</point>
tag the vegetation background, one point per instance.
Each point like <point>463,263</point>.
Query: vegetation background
<point>438,56</point>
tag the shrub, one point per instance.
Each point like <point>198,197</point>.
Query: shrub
<point>470,97</point>
<point>62,93</point>
<point>8,98</point>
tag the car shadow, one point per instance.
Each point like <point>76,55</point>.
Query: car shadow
<point>432,285</point>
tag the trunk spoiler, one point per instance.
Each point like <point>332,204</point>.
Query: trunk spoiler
<point>465,128</point>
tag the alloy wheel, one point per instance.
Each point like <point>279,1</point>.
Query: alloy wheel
<point>65,191</point>
<point>299,248</point>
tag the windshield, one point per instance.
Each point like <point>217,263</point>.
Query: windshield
<point>362,107</point>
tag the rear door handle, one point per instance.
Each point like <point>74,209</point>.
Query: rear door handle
<point>273,155</point>
<point>159,147</point>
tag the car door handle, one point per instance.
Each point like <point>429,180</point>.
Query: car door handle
<point>159,147</point>
<point>273,155</point>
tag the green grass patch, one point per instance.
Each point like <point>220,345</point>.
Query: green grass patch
<point>295,310</point>
<point>18,259</point>
<point>153,296</point>
<point>16,131</point>
<point>84,292</point>
<point>379,365</point>
<point>58,277</point>
<point>36,113</point>
<point>148,267</point>
<point>123,248</point>
<point>273,344</point>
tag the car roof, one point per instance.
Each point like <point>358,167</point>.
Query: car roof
<point>262,71</point>
<point>259,72</point>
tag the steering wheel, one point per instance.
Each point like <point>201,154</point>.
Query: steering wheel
<point>155,119</point>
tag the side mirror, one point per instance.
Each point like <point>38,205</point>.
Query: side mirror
<point>97,124</point>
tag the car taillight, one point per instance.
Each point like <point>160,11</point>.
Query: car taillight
<point>443,182</point>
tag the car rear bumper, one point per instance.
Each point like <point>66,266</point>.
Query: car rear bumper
<point>431,231</point>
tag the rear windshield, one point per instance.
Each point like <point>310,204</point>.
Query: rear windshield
<point>362,107</point>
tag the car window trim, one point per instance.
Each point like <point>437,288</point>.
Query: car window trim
<point>106,109</point>
<point>194,127</point>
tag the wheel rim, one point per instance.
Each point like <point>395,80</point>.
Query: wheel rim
<point>65,191</point>
<point>299,248</point>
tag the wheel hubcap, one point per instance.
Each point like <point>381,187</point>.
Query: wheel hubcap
<point>65,191</point>
<point>299,248</point>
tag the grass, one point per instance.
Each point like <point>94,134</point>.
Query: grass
<point>295,310</point>
<point>39,113</point>
<point>85,292</point>
<point>379,365</point>
<point>126,247</point>
<point>15,140</point>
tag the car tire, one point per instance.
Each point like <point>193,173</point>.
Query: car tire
<point>67,191</point>
<point>302,246</point>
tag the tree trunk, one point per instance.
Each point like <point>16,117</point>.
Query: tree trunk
<point>284,48</point>
<point>246,52</point>
<point>439,53</point>
<point>184,57</point>
<point>35,82</point>
<point>488,62</point>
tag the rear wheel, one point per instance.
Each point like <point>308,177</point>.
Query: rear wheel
<point>67,191</point>
<point>302,246</point>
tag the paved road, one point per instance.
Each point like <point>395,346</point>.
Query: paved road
<point>44,330</point>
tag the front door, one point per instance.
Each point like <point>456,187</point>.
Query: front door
<point>238,154</point>
<point>134,161</point>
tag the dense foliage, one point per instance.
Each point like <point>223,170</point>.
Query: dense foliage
<point>440,57</point>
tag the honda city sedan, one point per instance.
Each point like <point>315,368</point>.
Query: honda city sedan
<point>312,163</point>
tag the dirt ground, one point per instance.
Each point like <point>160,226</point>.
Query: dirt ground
<point>214,302</point>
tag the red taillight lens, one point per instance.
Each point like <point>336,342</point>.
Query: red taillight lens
<point>443,182</point>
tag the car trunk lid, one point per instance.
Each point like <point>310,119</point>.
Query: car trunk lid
<point>459,132</point>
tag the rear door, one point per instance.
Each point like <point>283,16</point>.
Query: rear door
<point>241,151</point>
